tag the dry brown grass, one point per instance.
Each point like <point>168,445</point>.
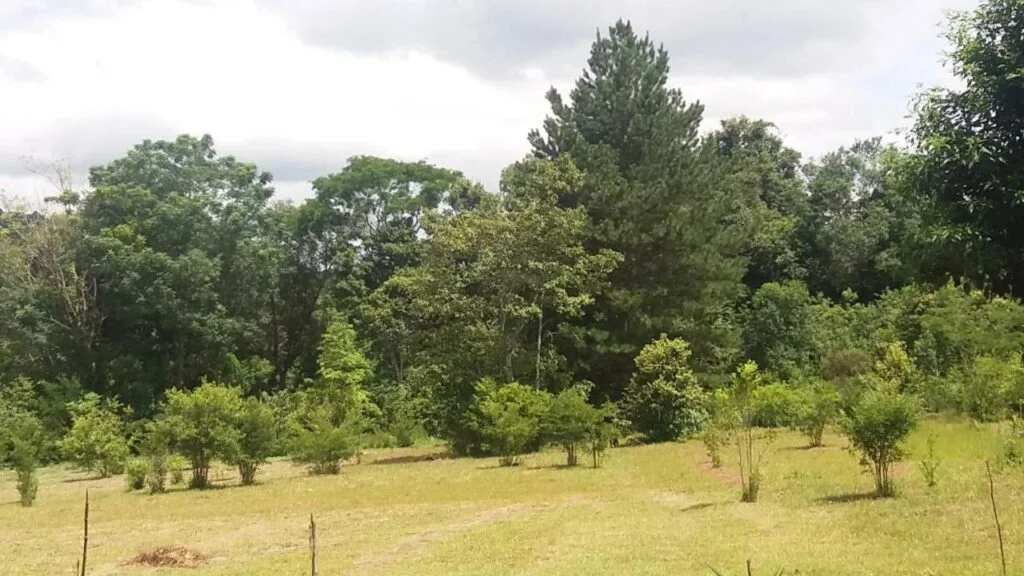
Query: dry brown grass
<point>169,557</point>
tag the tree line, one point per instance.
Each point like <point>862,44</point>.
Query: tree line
<point>625,271</point>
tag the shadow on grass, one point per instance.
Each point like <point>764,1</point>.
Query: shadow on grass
<point>78,479</point>
<point>413,458</point>
<point>804,448</point>
<point>698,506</point>
<point>849,498</point>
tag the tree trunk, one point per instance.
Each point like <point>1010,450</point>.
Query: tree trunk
<point>540,335</point>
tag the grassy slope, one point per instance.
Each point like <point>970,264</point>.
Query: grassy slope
<point>650,510</point>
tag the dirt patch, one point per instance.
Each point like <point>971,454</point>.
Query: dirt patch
<point>721,473</point>
<point>170,557</point>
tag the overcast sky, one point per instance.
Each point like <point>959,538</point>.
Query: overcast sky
<point>298,86</point>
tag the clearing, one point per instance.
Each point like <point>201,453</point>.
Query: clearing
<point>650,510</point>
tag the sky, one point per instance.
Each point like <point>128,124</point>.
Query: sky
<point>299,86</point>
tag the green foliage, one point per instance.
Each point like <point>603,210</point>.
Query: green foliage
<point>736,413</point>
<point>574,424</point>
<point>327,424</point>
<point>509,418</point>
<point>877,426</point>
<point>991,388</point>
<point>135,470</point>
<point>22,440</point>
<point>201,425</point>
<point>322,441</point>
<point>930,465</point>
<point>819,406</point>
<point>258,438</point>
<point>775,405</point>
<point>966,141</point>
<point>496,284</point>
<point>777,331</point>
<point>663,401</point>
<point>97,440</point>
<point>178,465</point>
<point>638,143</point>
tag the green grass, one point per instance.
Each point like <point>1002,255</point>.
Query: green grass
<point>650,510</point>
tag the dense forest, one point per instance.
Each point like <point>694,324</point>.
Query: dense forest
<point>637,255</point>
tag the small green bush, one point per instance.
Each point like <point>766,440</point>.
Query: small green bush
<point>97,440</point>
<point>774,405</point>
<point>663,400</point>
<point>28,484</point>
<point>819,406</point>
<point>573,423</point>
<point>257,441</point>
<point>714,439</point>
<point>177,465</point>
<point>930,465</point>
<point>737,416</point>
<point>380,440</point>
<point>157,469</point>
<point>324,433</point>
<point>202,426</point>
<point>22,440</point>
<point>323,446</point>
<point>509,418</point>
<point>135,473</point>
<point>601,433</point>
<point>877,426</point>
<point>989,388</point>
<point>405,430</point>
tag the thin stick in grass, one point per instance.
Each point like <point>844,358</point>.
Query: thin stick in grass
<point>995,513</point>
<point>314,570</point>
<point>85,536</point>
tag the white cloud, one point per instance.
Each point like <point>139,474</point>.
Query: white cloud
<point>104,79</point>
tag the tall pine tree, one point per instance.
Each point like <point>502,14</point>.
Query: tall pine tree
<point>654,193</point>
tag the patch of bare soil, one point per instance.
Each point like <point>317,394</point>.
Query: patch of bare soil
<point>170,557</point>
<point>729,478</point>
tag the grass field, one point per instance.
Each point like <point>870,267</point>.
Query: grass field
<point>650,510</point>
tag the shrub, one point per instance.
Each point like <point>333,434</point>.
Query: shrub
<point>135,473</point>
<point>714,440</point>
<point>177,465</point>
<point>96,441</point>
<point>380,440</point>
<point>819,406</point>
<point>201,425</point>
<point>940,394</point>
<point>28,483</point>
<point>663,400</point>
<point>877,426</point>
<point>930,464</point>
<point>989,388</point>
<point>1011,452</point>
<point>715,435</point>
<point>572,422</point>
<point>22,440</point>
<point>509,418</point>
<point>157,468</point>
<point>257,441</point>
<point>405,430</point>
<point>154,440</point>
<point>738,417</point>
<point>327,426</point>
<point>322,443</point>
<point>601,433</point>
<point>774,406</point>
